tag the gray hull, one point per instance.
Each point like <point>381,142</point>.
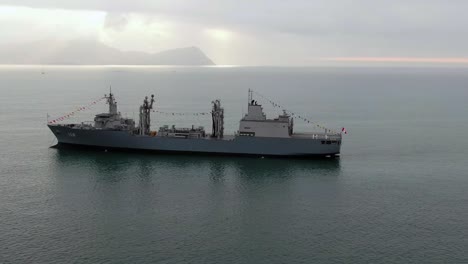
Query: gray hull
<point>258,146</point>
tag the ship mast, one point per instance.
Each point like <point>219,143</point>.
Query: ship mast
<point>112,103</point>
<point>145,116</point>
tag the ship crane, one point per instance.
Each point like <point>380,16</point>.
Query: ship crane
<point>145,116</point>
<point>217,114</point>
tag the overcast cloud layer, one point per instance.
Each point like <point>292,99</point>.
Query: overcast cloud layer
<point>250,32</point>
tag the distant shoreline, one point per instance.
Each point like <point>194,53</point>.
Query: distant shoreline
<point>342,66</point>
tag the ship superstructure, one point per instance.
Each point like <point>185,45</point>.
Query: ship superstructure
<point>256,124</point>
<point>113,119</point>
<point>257,135</point>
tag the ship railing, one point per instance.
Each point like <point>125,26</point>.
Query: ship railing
<point>82,125</point>
<point>87,123</point>
<point>318,136</point>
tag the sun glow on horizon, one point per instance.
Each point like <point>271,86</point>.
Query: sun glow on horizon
<point>49,23</point>
<point>220,34</point>
<point>399,59</point>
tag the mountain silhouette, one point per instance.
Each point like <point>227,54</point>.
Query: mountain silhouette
<point>81,52</point>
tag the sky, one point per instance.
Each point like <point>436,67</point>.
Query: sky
<point>255,32</point>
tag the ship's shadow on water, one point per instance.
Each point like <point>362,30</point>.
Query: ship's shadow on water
<point>116,166</point>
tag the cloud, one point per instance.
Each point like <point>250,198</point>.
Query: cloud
<point>22,24</point>
<point>116,21</point>
<point>267,31</point>
<point>299,16</point>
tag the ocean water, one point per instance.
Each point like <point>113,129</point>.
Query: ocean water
<point>397,194</point>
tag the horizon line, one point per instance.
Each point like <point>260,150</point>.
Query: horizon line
<point>430,62</point>
<point>448,60</point>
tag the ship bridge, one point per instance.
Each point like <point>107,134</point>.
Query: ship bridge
<point>256,124</point>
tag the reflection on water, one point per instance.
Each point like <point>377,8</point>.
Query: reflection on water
<point>280,168</point>
<point>116,166</point>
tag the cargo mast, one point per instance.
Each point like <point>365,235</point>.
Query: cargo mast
<point>145,116</point>
<point>217,115</point>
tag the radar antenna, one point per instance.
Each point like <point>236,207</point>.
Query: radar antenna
<point>111,102</point>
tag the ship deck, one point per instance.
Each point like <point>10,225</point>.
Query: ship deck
<point>296,135</point>
<point>316,135</point>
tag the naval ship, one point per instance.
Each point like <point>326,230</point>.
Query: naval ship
<point>257,134</point>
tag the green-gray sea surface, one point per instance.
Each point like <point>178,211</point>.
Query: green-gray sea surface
<point>397,194</point>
